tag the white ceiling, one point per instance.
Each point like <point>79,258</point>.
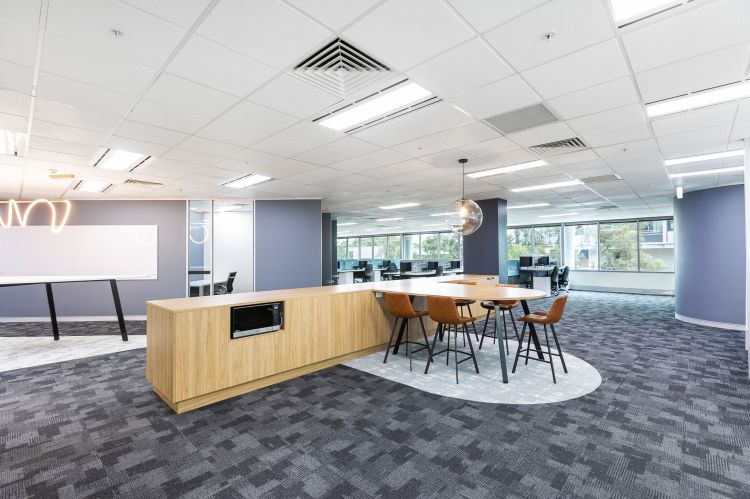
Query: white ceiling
<point>206,87</point>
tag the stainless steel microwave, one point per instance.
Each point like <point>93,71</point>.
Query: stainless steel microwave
<point>249,320</point>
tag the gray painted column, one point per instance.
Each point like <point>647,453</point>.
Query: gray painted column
<point>486,251</point>
<point>327,248</point>
<point>710,277</point>
<point>747,257</point>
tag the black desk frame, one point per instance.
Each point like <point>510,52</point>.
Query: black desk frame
<point>51,302</point>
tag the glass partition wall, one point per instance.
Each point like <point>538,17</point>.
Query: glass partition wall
<point>220,248</point>
<point>433,246</point>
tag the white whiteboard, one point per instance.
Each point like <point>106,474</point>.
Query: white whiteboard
<point>120,251</point>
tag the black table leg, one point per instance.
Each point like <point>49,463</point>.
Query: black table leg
<point>118,308</point>
<point>401,331</point>
<point>532,332</point>
<point>52,313</point>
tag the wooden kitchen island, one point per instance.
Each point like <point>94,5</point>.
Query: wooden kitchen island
<point>191,360</point>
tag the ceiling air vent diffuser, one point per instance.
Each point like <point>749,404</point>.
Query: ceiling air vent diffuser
<point>522,119</point>
<point>144,183</point>
<point>560,146</point>
<point>601,179</point>
<point>341,68</point>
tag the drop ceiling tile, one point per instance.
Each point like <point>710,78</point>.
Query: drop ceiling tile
<point>284,168</point>
<point>613,119</point>
<point>67,133</point>
<point>191,157</point>
<point>17,43</point>
<point>14,103</point>
<point>290,95</point>
<point>189,96</point>
<point>486,14</point>
<point>542,134</point>
<point>87,64</point>
<point>387,134</point>
<point>740,131</point>
<point>148,133</point>
<point>224,132</point>
<point>595,99</point>
<point>266,30</point>
<point>583,69</point>
<point>15,77</point>
<point>210,64</point>
<point>207,146</point>
<point>334,14</point>
<point>82,95</point>
<point>463,135</point>
<point>280,147</point>
<point>127,144</point>
<point>743,112</point>
<point>180,12</point>
<point>575,23</point>
<point>635,150</point>
<point>695,73</point>
<point>370,161</point>
<point>720,115</point>
<point>47,144</point>
<point>168,117</point>
<point>466,67</point>
<point>309,135</point>
<point>26,12</point>
<point>434,118</point>
<point>339,150</point>
<point>256,158</point>
<point>425,27</point>
<point>702,29</point>
<point>396,170</point>
<point>422,146</point>
<point>317,176</point>
<point>489,148</point>
<point>498,97</point>
<point>68,115</point>
<point>258,121</point>
<point>58,157</point>
<point>620,136</point>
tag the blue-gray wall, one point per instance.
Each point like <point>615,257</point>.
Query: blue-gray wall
<point>95,298</point>
<point>328,247</point>
<point>486,251</point>
<point>710,255</point>
<point>288,237</point>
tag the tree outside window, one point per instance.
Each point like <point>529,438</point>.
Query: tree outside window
<point>618,246</point>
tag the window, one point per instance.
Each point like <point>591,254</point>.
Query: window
<point>618,246</point>
<point>429,247</point>
<point>450,246</point>
<point>379,246</point>
<point>520,242</point>
<point>365,248</point>
<point>393,250</point>
<point>581,246</point>
<point>657,246</point>
<point>352,251</point>
<point>411,247</point>
<point>547,242</point>
<point>341,248</point>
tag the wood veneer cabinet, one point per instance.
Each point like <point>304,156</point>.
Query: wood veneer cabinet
<point>192,362</point>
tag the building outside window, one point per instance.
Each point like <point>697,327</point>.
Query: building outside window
<point>352,250</point>
<point>393,249</point>
<point>520,242</point>
<point>581,246</point>
<point>657,245</point>
<point>429,247</point>
<point>547,242</point>
<point>379,244</point>
<point>618,246</point>
<point>365,248</point>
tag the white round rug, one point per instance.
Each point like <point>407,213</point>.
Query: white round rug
<point>531,384</point>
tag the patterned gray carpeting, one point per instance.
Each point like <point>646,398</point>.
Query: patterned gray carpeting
<point>671,419</point>
<point>8,329</point>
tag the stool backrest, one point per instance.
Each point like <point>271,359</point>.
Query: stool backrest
<point>556,311</point>
<point>399,305</point>
<point>469,283</point>
<point>506,285</point>
<point>442,309</point>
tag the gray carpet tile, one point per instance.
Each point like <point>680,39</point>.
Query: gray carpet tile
<point>671,419</point>
<point>77,328</point>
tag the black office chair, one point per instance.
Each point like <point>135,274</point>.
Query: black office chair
<point>562,281</point>
<point>391,268</point>
<point>525,278</point>
<point>225,288</point>
<point>554,287</point>
<point>439,271</point>
<point>368,273</point>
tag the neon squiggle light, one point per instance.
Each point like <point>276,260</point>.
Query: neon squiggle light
<point>14,209</point>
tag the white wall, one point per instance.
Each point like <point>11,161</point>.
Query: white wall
<point>233,248</point>
<point>636,282</point>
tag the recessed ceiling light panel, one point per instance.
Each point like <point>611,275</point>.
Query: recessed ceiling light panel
<point>714,171</point>
<point>400,205</point>
<point>246,181</point>
<point>508,169</point>
<point>704,157</point>
<point>697,100</point>
<point>553,185</point>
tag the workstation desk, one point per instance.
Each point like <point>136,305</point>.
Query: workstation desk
<point>192,361</point>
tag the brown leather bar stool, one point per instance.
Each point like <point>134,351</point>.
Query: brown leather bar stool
<point>399,306</point>
<point>504,306</point>
<point>552,317</point>
<point>442,310</point>
<point>467,303</point>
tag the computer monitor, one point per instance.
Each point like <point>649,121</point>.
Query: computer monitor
<point>526,261</point>
<point>405,266</point>
<point>362,264</point>
<point>455,264</point>
<point>432,265</point>
<point>542,260</point>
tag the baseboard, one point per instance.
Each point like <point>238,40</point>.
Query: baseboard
<point>75,318</point>
<point>702,322</point>
<point>634,291</point>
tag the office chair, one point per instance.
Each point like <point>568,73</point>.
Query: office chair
<point>562,281</point>
<point>368,273</point>
<point>225,288</point>
<point>391,268</point>
<point>554,287</point>
<point>439,271</point>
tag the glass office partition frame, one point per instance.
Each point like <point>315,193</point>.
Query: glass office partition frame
<point>547,242</point>
<point>429,249</point>
<point>233,247</point>
<point>393,248</point>
<point>656,245</point>
<point>520,242</point>
<point>379,245</point>
<point>582,246</point>
<point>365,248</point>
<point>352,248</point>
<point>199,248</point>
<point>618,246</point>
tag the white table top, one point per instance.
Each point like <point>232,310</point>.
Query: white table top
<point>41,279</point>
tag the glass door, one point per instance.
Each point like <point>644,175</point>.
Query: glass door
<point>233,247</point>
<point>200,218</point>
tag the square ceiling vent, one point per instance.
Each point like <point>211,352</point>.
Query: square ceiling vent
<point>522,119</point>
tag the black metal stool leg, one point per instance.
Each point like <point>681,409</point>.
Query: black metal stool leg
<point>557,343</point>
<point>471,348</point>
<point>430,358</point>
<point>52,312</point>
<point>513,320</point>
<point>408,344</point>
<point>484,330</point>
<point>390,340</point>
<point>448,351</point>
<point>549,352</point>
<point>520,347</point>
<point>476,335</point>
<point>426,341</point>
<point>528,348</point>
<point>505,333</point>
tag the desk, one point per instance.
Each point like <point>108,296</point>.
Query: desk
<point>480,292</point>
<point>541,277</point>
<point>49,280</point>
<point>346,276</point>
<point>453,271</point>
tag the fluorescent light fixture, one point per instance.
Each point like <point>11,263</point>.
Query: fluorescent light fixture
<point>345,223</point>
<point>389,219</point>
<point>508,169</point>
<point>246,181</point>
<point>522,206</point>
<point>13,143</point>
<point>678,191</point>
<point>630,9</point>
<point>95,186</point>
<point>433,225</point>
<point>116,159</point>
<point>553,185</point>
<point>382,104</point>
<point>400,205</point>
<point>443,214</point>
<point>705,157</point>
<point>559,215</point>
<point>715,171</point>
<point>702,99</point>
